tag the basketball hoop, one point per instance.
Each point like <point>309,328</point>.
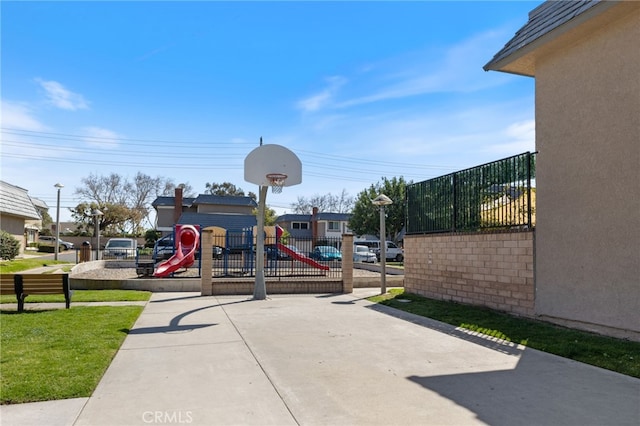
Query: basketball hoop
<point>277,181</point>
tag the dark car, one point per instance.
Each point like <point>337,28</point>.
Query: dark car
<point>274,253</point>
<point>325,253</point>
<point>163,248</point>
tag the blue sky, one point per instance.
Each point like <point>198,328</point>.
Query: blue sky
<point>185,90</point>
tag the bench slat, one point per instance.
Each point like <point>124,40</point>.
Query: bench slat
<point>26,284</point>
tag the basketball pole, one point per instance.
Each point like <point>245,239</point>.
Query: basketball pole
<point>260,289</point>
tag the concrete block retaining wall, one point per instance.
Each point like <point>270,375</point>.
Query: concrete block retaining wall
<point>486,269</point>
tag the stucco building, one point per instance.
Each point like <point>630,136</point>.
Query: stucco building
<point>585,58</point>
<point>17,213</point>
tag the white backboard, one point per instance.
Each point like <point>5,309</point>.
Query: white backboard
<point>272,158</point>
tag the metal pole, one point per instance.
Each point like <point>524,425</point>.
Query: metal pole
<point>98,237</point>
<point>383,253</point>
<point>57,246</point>
<point>260,289</point>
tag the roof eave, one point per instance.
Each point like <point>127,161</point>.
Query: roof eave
<point>502,64</point>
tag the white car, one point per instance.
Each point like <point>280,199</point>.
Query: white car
<point>120,248</point>
<point>362,254</point>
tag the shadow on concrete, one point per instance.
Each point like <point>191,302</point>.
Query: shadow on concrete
<point>542,389</point>
<point>471,336</point>
<point>175,326</point>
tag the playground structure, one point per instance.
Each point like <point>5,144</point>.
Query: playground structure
<point>187,242</point>
<point>239,257</point>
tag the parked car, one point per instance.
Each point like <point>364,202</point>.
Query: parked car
<point>363,254</point>
<point>393,252</point>
<point>272,252</point>
<point>163,249</point>
<point>64,245</point>
<point>294,249</point>
<point>120,248</point>
<point>325,253</point>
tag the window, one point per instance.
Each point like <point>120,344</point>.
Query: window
<point>299,225</point>
<point>334,226</point>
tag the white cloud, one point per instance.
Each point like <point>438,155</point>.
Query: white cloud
<point>516,138</point>
<point>450,69</point>
<point>323,98</point>
<point>101,138</point>
<point>62,98</point>
<point>19,116</point>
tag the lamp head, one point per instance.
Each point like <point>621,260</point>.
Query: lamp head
<point>381,200</point>
<point>59,185</point>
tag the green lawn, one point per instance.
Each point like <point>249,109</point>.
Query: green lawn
<point>60,353</point>
<point>19,265</point>
<point>618,355</point>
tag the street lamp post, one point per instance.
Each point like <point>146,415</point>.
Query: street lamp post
<point>96,214</point>
<point>381,201</point>
<point>59,186</point>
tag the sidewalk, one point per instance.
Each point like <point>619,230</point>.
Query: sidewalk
<point>327,360</point>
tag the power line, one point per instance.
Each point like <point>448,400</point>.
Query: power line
<point>184,145</point>
<point>84,138</point>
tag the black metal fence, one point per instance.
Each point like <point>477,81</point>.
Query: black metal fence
<point>491,196</point>
<point>286,258</point>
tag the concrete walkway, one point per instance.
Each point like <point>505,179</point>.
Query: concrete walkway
<point>329,360</point>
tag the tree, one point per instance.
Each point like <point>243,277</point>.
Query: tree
<point>270,216</point>
<point>365,218</point>
<point>125,204</point>
<point>226,188</point>
<point>112,221</point>
<point>342,203</point>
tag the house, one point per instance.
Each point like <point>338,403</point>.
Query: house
<point>316,226</point>
<point>16,209</point>
<point>585,58</point>
<point>229,212</point>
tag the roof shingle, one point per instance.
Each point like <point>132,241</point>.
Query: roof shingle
<point>543,20</point>
<point>15,201</point>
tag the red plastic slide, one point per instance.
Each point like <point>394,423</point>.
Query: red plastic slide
<point>187,238</point>
<point>302,258</point>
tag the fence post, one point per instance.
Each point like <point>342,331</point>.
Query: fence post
<point>206,262</point>
<point>347,263</point>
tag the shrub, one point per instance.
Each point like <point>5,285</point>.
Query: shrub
<point>9,246</point>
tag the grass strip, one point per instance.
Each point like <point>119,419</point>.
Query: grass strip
<point>59,354</point>
<point>622,356</point>
<point>19,265</point>
<point>84,296</point>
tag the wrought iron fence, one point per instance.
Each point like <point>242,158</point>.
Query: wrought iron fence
<point>491,196</point>
<point>289,257</point>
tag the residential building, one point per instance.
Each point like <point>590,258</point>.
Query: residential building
<point>585,58</point>
<point>16,210</point>
<point>229,212</point>
<point>316,226</point>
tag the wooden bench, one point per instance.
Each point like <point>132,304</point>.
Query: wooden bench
<point>23,285</point>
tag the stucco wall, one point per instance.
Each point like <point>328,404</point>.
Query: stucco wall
<point>588,178</point>
<point>486,269</point>
<point>14,226</point>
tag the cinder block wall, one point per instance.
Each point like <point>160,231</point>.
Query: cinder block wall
<point>486,269</point>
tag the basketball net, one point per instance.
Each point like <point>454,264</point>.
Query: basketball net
<point>277,182</point>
